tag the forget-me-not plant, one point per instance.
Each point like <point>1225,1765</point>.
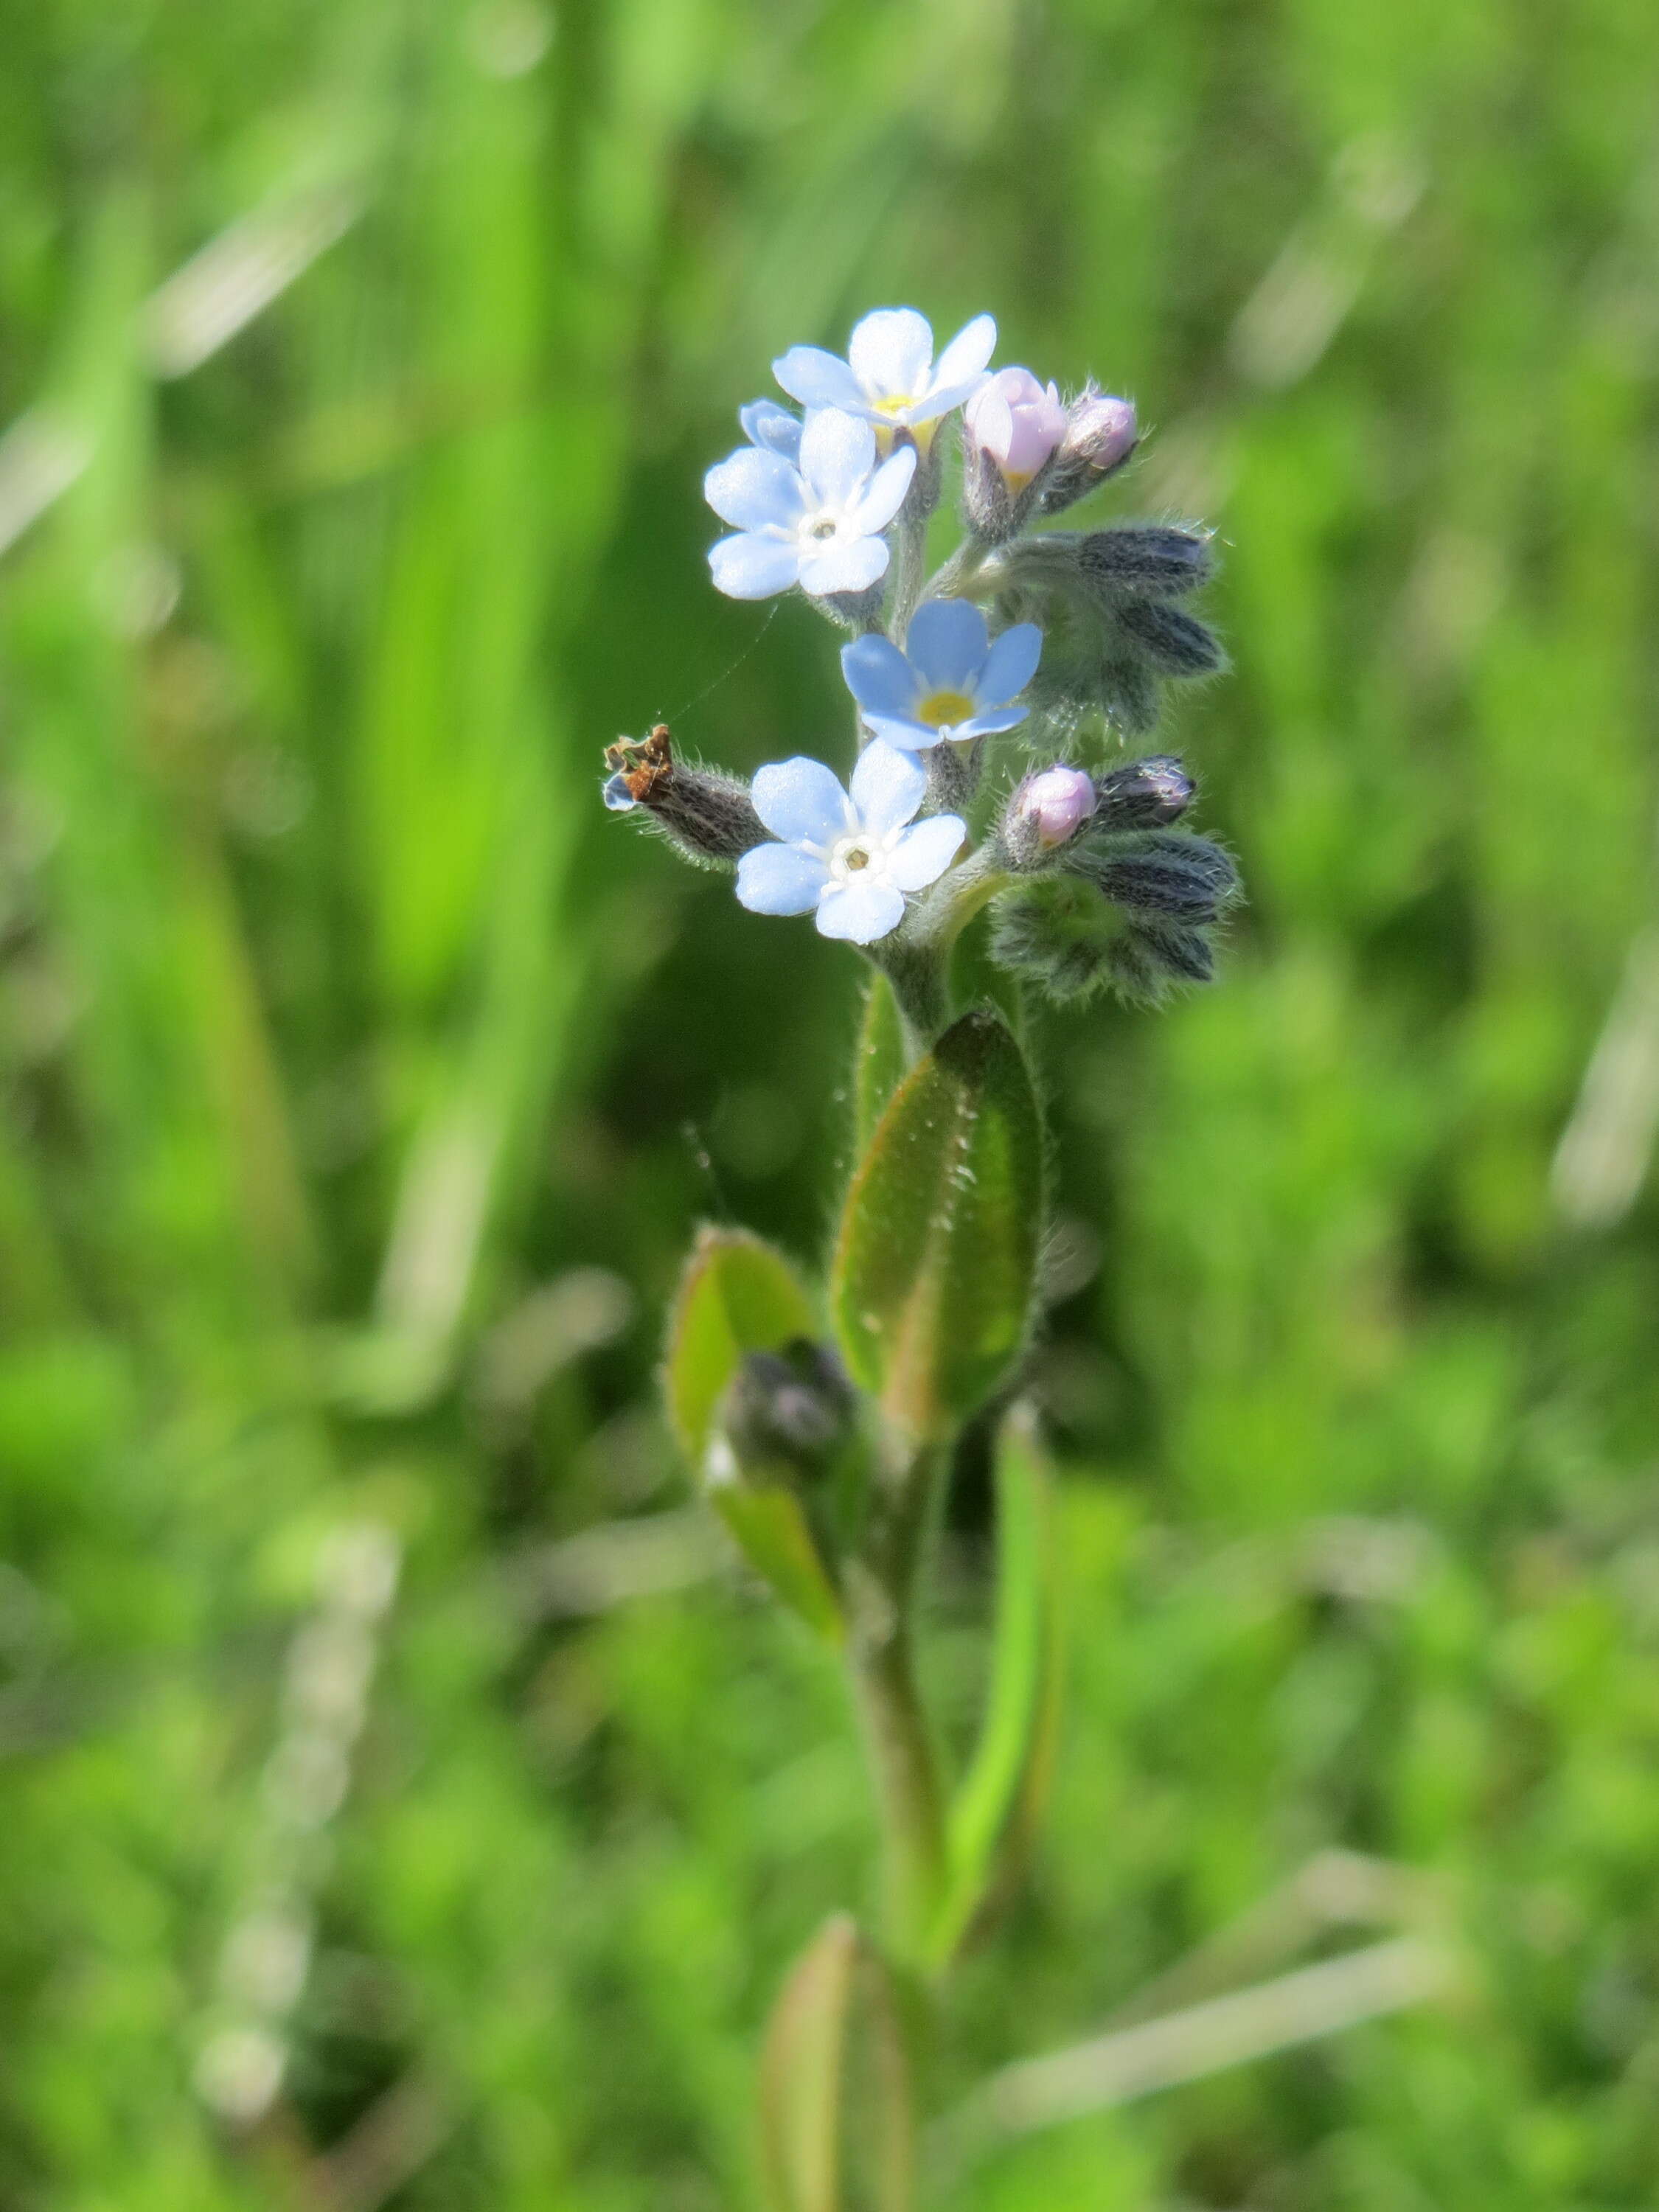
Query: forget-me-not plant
<point>985,792</point>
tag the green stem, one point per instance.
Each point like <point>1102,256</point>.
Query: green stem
<point>912,568</point>
<point>963,565</point>
<point>921,993</point>
<point>903,1765</point>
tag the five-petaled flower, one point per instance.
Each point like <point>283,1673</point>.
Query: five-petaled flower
<point>889,375</point>
<point>848,856</point>
<point>812,518</point>
<point>949,682</point>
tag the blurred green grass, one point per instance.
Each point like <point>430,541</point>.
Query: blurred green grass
<point>341,1033</point>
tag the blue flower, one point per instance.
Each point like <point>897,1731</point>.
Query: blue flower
<point>889,375</point>
<point>949,682</point>
<point>847,855</point>
<point>765,424</point>
<point>815,521</point>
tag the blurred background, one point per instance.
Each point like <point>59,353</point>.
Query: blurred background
<point>406,1804</point>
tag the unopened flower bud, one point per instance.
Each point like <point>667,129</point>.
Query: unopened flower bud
<point>1145,794</point>
<point>1171,641</point>
<point>1101,432</point>
<point>708,816</point>
<point>1166,874</point>
<point>1056,802</point>
<point>1011,428</point>
<point>786,1412</point>
<point>1147,560</point>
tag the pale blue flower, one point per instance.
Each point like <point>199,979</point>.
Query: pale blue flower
<point>848,856</point>
<point>813,519</point>
<point>889,375</point>
<point>765,424</point>
<point>949,682</point>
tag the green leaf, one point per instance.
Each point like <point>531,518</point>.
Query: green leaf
<point>737,1296</point>
<point>878,1060</point>
<point>935,1264</point>
<point>771,1528</point>
<point>836,2112</point>
<point>1000,1799</point>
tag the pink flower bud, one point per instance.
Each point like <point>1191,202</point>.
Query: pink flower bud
<point>1017,422</point>
<point>1101,433</point>
<point>1057,802</point>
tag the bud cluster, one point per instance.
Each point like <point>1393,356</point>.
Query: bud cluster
<point>1043,630</point>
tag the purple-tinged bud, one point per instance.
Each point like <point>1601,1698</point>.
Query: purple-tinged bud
<point>1017,422</point>
<point>708,816</point>
<point>1101,433</point>
<point>1057,801</point>
<point>1043,818</point>
<point>1145,794</point>
<point>1011,429</point>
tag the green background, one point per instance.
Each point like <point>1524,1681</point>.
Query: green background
<point>362,1081</point>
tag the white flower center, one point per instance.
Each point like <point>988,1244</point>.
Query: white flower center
<point>820,525</point>
<point>852,856</point>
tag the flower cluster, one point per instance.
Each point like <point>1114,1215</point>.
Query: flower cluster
<point>1053,633</point>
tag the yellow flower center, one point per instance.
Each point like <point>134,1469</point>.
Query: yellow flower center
<point>858,857</point>
<point>940,710</point>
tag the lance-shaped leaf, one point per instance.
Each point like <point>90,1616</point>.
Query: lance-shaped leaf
<point>878,1060</point>
<point>936,1260</point>
<point>736,1297</point>
<point>836,2112</point>
<point>1000,1800</point>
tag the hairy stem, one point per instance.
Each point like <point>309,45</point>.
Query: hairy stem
<point>903,1764</point>
<point>963,565</point>
<point>918,976</point>
<point>912,568</point>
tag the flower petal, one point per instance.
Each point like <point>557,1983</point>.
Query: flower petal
<point>1011,664</point>
<point>838,453</point>
<point>780,879</point>
<point>925,851</point>
<point>989,422</point>
<point>860,912</point>
<point>800,801</point>
<point>887,787</point>
<point>746,567</point>
<point>874,507</point>
<point>946,644</point>
<point>940,402</point>
<point>989,725</point>
<point>765,424</point>
<point>850,564</point>
<point>817,379</point>
<point>753,491</point>
<point>895,730</point>
<point>965,359</point>
<point>879,675</point>
<point>891,351</point>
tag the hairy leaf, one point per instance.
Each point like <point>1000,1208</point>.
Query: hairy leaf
<point>935,1264</point>
<point>999,1802</point>
<point>879,1061</point>
<point>738,1295</point>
